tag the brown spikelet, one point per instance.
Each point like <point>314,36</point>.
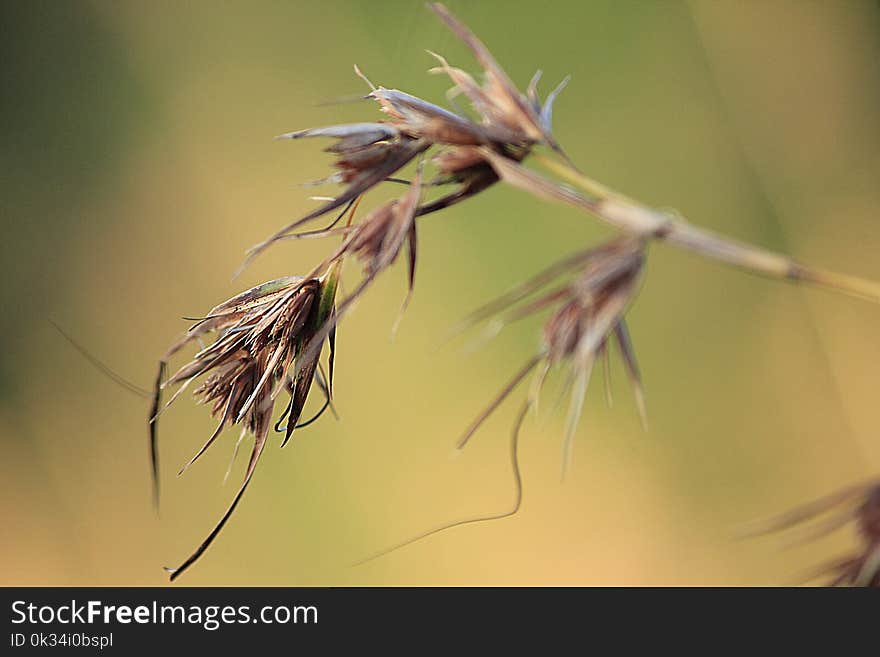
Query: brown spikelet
<point>587,310</point>
<point>858,506</point>
<point>260,335</point>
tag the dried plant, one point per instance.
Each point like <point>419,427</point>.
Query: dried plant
<point>587,312</point>
<point>270,338</point>
<point>856,505</point>
<point>260,340</point>
<point>588,294</point>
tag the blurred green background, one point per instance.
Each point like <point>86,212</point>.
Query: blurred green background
<point>138,164</point>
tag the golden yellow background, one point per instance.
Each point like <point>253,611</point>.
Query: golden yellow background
<point>138,164</point>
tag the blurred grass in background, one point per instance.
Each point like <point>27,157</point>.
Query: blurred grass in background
<point>137,165</point>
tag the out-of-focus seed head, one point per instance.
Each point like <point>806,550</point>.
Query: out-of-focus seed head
<point>857,506</point>
<point>258,352</point>
<point>587,309</point>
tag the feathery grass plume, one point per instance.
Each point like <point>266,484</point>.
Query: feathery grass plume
<point>857,505</point>
<point>257,354</point>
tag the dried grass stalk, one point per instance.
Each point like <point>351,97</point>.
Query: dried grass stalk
<point>269,339</point>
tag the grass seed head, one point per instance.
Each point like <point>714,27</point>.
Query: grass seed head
<point>588,295</point>
<point>369,154</point>
<point>856,506</point>
<point>258,352</point>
